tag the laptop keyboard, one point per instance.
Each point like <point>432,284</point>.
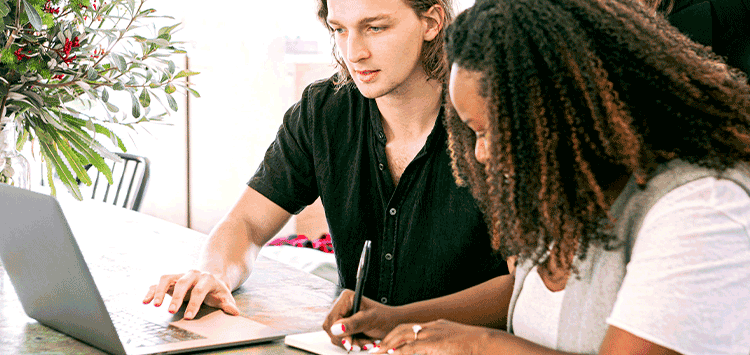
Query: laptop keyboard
<point>136,331</point>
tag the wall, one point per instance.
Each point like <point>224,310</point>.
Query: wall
<point>247,81</point>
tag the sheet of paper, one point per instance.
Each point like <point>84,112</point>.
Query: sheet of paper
<point>315,342</point>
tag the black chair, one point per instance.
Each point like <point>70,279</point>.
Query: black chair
<point>132,173</point>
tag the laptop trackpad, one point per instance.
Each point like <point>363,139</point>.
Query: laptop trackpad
<point>213,323</point>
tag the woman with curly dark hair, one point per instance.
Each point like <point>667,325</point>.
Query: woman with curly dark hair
<point>609,153</point>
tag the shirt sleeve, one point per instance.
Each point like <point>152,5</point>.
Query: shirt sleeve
<point>687,286</point>
<point>286,175</point>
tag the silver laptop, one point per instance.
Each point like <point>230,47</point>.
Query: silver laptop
<point>55,287</point>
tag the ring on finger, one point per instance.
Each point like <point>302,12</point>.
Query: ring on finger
<point>416,328</point>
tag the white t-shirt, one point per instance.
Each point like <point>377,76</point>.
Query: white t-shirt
<point>687,285</point>
<point>537,312</point>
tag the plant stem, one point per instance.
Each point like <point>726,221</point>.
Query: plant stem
<point>12,36</point>
<point>122,33</point>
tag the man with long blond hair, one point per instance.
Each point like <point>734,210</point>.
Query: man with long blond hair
<point>370,142</point>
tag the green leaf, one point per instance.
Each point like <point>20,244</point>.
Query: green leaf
<point>92,74</point>
<point>105,94</point>
<point>99,129</point>
<point>50,180</point>
<point>167,29</point>
<point>145,98</point>
<point>22,139</point>
<point>74,161</point>
<point>62,170</point>
<point>136,111</point>
<point>118,86</point>
<point>33,15</point>
<point>90,125</point>
<point>4,9</point>
<point>172,102</point>
<point>160,42</point>
<point>184,73</point>
<point>171,67</point>
<point>119,62</point>
<point>91,155</point>
<point>170,88</point>
<point>195,93</point>
<point>111,108</point>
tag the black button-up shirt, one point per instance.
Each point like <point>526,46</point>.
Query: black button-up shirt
<point>428,237</point>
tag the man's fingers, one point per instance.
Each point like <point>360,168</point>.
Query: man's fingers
<point>182,288</point>
<point>149,295</point>
<point>230,307</point>
<point>164,286</point>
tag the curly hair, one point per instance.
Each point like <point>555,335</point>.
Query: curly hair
<point>433,52</point>
<point>581,93</point>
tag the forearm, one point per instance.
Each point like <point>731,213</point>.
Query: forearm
<point>229,252</point>
<point>483,305</point>
<point>234,244</point>
<point>493,341</point>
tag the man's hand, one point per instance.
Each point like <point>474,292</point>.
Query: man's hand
<point>195,286</point>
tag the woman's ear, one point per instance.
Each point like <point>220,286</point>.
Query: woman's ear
<point>433,21</point>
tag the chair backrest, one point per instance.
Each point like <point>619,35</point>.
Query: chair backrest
<point>129,182</point>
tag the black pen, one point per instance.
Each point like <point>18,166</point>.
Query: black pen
<point>364,262</point>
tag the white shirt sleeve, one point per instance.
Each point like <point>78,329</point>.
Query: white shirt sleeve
<point>687,286</point>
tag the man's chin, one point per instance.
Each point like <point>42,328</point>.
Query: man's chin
<point>370,91</point>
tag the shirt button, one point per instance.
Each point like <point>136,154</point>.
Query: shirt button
<point>380,135</point>
<point>392,211</point>
<point>388,256</point>
<point>383,300</point>
<point>381,166</point>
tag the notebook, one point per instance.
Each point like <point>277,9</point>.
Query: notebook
<point>316,342</point>
<point>55,287</point>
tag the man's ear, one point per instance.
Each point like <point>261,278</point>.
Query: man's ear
<point>433,21</point>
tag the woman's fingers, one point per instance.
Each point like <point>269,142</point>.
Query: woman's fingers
<point>399,337</point>
<point>333,325</point>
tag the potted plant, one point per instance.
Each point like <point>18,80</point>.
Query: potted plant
<point>61,64</point>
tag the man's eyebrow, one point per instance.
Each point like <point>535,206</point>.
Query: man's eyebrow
<point>364,20</point>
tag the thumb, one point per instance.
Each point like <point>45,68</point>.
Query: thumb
<point>230,307</point>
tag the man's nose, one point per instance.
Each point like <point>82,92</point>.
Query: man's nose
<point>356,48</point>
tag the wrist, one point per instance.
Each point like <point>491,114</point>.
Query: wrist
<point>390,317</point>
<point>486,337</point>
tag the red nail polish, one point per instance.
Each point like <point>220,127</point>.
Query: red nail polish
<point>343,342</point>
<point>343,327</point>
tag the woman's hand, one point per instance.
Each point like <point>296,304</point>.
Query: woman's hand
<point>438,337</point>
<point>372,322</point>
